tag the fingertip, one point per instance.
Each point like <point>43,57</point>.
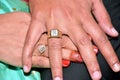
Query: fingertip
<point>65,63</point>
<point>96,75</point>
<point>111,31</point>
<point>114,31</point>
<point>27,65</point>
<point>116,67</point>
<point>26,69</point>
<point>57,78</point>
<point>27,58</point>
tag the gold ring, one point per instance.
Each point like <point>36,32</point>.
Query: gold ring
<point>54,33</point>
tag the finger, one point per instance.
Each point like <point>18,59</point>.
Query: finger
<point>101,40</point>
<point>54,48</point>
<point>34,33</point>
<point>86,49</point>
<point>82,41</point>
<point>103,18</point>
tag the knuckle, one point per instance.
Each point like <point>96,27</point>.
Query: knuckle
<point>84,41</point>
<point>102,39</point>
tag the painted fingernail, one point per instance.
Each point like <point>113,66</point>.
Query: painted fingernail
<point>114,31</point>
<point>96,75</point>
<point>116,67</point>
<point>25,68</point>
<point>76,57</point>
<point>65,63</point>
<point>95,49</point>
<point>79,58</point>
<point>57,78</point>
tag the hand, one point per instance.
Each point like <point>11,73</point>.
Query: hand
<point>73,18</point>
<point>12,38</point>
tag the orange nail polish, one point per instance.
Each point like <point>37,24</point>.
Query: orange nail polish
<point>65,63</point>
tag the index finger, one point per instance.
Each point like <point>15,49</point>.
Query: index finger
<point>34,33</point>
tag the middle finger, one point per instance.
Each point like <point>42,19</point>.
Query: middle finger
<point>55,49</point>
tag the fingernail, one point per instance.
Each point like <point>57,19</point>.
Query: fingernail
<point>116,67</point>
<point>114,31</point>
<point>65,63</point>
<point>96,75</point>
<point>25,68</point>
<point>95,49</point>
<point>57,78</point>
<point>77,58</point>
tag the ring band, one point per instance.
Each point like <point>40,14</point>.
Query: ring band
<point>54,33</point>
<point>41,48</point>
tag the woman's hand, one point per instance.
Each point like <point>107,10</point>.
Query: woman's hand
<point>73,18</point>
<point>12,35</point>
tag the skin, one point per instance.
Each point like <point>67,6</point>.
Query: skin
<point>12,35</point>
<point>73,18</point>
